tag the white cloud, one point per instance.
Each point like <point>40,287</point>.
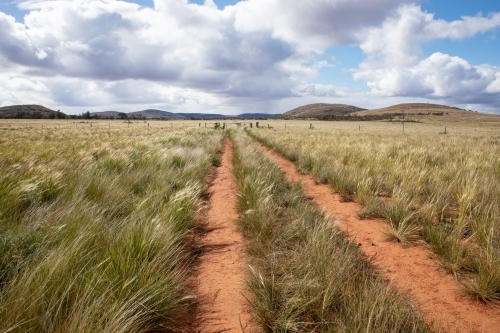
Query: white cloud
<point>438,76</point>
<point>322,90</point>
<point>257,49</point>
<point>395,66</point>
<point>460,29</point>
<point>101,53</point>
<point>313,23</point>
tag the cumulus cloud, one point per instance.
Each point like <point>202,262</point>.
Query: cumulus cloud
<point>395,65</point>
<point>322,90</point>
<point>313,23</point>
<point>439,76</point>
<point>257,49</point>
<point>108,52</point>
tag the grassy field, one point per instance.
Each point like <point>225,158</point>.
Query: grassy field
<point>94,224</point>
<point>305,275</point>
<point>432,186</point>
<point>95,219</point>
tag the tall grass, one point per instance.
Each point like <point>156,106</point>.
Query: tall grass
<point>305,275</point>
<point>444,189</point>
<point>94,225</point>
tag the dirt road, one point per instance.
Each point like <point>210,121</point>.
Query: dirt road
<point>222,265</point>
<point>411,270</point>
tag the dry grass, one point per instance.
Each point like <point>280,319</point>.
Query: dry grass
<point>305,275</point>
<point>93,225</point>
<point>444,188</point>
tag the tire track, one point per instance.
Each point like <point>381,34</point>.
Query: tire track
<point>221,266</point>
<point>410,270</point>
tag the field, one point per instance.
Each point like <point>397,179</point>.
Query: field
<point>94,225</point>
<point>428,185</point>
<point>106,225</point>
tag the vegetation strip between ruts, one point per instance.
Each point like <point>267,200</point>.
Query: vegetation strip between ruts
<point>94,226</point>
<point>409,269</point>
<point>305,275</point>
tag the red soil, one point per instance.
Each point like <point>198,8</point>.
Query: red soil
<point>220,283</point>
<point>411,270</point>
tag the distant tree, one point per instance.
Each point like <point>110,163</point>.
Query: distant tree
<point>52,115</point>
<point>37,115</point>
<point>60,115</point>
<point>86,115</point>
<point>122,115</point>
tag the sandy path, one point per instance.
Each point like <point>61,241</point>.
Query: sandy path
<point>409,269</point>
<point>222,265</point>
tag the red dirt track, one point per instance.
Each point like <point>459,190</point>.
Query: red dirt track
<point>222,265</point>
<point>410,270</point>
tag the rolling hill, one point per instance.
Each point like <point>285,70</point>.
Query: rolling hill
<point>203,115</point>
<point>144,114</point>
<point>419,111</point>
<point>29,111</point>
<point>157,114</point>
<point>319,110</point>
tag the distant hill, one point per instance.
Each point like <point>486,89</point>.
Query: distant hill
<point>144,114</point>
<point>420,111</point>
<point>223,116</point>
<point>105,114</point>
<point>29,111</point>
<point>321,110</point>
<point>158,114</point>
<point>257,115</point>
<point>203,115</point>
<point>153,113</point>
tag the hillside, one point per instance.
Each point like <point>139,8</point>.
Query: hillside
<point>29,111</point>
<point>258,115</point>
<point>419,111</point>
<point>153,113</point>
<point>202,115</point>
<point>320,110</point>
<point>105,114</point>
<point>146,114</point>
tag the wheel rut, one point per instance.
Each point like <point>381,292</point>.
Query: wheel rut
<point>221,267</point>
<point>411,270</point>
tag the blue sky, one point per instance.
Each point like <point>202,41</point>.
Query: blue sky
<point>483,48</point>
<point>259,55</point>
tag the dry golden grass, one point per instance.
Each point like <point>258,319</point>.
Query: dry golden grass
<point>93,224</point>
<point>444,188</point>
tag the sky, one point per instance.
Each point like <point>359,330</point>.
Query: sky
<point>232,57</point>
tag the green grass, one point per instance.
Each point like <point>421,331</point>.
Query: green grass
<point>442,189</point>
<point>305,276</point>
<point>94,226</point>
